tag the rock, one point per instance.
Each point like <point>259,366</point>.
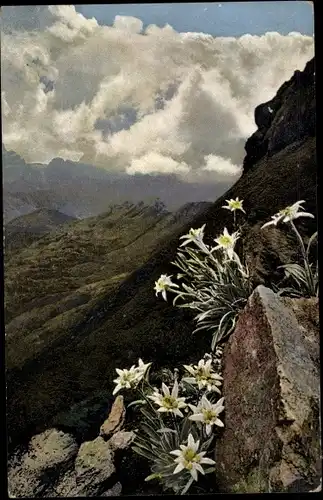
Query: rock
<point>55,466</point>
<point>93,466</point>
<point>293,103</point>
<point>121,440</point>
<point>115,420</point>
<point>271,438</point>
<point>115,491</point>
<point>49,455</point>
<point>307,314</point>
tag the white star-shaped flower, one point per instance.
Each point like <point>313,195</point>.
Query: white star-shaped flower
<point>227,242</point>
<point>203,376</point>
<point>189,458</point>
<point>234,205</point>
<point>163,284</point>
<point>169,402</point>
<point>289,214</point>
<point>195,236</point>
<point>127,379</point>
<point>207,413</point>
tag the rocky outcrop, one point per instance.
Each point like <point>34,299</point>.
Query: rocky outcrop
<point>55,465</point>
<point>287,118</point>
<point>271,438</point>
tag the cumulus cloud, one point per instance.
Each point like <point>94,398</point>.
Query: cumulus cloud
<point>134,100</point>
<point>214,163</point>
<point>156,163</point>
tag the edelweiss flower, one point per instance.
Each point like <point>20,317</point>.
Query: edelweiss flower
<point>142,368</point>
<point>288,214</point>
<point>234,205</point>
<point>163,284</point>
<point>203,376</point>
<point>169,403</point>
<point>207,413</point>
<point>189,458</point>
<point>196,236</point>
<point>227,242</point>
<point>127,379</point>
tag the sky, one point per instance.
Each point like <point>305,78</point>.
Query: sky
<point>218,19</point>
<point>146,89</point>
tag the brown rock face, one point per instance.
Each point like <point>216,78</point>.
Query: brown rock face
<point>271,439</point>
<point>294,104</point>
<point>115,420</point>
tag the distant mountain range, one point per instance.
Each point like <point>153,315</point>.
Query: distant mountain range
<point>82,190</point>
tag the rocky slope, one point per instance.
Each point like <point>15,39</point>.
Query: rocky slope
<point>129,321</point>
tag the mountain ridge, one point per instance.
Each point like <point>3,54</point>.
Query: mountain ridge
<point>82,190</point>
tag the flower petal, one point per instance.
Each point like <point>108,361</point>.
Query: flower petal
<point>193,473</point>
<point>178,453</point>
<point>197,417</point>
<point>199,468</point>
<point>179,468</point>
<point>116,389</point>
<point>175,389</point>
<point>207,461</point>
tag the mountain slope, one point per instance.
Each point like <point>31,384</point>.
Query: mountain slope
<point>130,321</point>
<point>53,283</point>
<point>24,230</point>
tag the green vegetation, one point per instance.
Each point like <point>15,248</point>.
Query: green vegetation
<point>52,284</point>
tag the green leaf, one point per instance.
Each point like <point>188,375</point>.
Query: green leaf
<point>312,238</point>
<point>143,452</point>
<point>187,486</point>
<point>137,402</point>
<point>153,476</point>
<point>166,429</point>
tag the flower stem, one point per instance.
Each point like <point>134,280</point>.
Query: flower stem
<point>146,399</point>
<point>234,220</point>
<point>175,424</point>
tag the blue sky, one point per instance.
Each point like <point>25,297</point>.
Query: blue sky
<point>220,19</point>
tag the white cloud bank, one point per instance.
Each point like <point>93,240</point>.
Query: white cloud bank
<point>185,100</point>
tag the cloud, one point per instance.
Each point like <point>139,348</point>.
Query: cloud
<point>157,163</point>
<point>124,99</point>
<point>128,23</point>
<point>214,163</point>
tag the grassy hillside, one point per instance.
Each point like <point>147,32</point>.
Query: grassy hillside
<point>53,283</point>
<point>24,230</point>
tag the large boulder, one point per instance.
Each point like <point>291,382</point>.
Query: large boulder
<point>49,455</point>
<point>271,439</point>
